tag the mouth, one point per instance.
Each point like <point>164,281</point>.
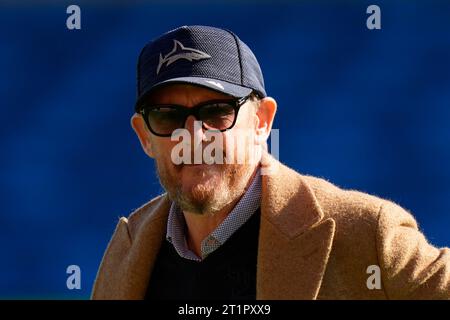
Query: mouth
<point>204,167</point>
<point>199,165</point>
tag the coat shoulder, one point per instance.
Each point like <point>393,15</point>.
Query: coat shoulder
<point>156,208</point>
<point>352,206</point>
<point>345,205</point>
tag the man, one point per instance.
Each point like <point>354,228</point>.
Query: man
<point>252,229</point>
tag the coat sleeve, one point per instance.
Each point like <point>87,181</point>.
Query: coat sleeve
<point>411,268</point>
<point>115,252</point>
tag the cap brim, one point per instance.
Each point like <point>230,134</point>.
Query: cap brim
<point>213,84</point>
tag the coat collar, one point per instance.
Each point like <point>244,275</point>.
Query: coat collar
<point>294,241</point>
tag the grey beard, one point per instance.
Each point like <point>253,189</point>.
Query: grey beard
<point>236,181</point>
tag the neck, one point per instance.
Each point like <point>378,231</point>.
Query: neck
<point>201,226</point>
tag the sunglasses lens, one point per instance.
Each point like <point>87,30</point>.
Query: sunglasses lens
<point>165,120</point>
<point>218,116</point>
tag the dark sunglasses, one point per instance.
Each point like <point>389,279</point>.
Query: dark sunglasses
<point>163,119</point>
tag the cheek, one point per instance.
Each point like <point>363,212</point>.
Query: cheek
<point>162,148</point>
<point>239,144</point>
<point>242,138</point>
<point>246,119</point>
<point>245,127</point>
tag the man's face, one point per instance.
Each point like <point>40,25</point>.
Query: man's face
<point>202,188</point>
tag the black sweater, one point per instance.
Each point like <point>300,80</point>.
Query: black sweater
<point>227,273</point>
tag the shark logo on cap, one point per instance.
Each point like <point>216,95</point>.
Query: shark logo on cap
<point>178,52</point>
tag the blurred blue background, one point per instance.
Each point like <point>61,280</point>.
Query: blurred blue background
<point>367,110</point>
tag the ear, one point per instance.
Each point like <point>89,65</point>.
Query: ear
<point>266,115</point>
<point>141,130</point>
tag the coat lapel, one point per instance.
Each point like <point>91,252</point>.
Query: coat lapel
<point>126,273</point>
<point>294,241</point>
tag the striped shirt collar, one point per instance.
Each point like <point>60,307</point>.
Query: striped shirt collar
<point>247,205</point>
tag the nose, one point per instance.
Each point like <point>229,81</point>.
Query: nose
<point>195,128</point>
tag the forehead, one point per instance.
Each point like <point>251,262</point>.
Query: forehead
<point>184,94</point>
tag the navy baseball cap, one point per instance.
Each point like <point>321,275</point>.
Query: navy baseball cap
<point>200,55</point>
